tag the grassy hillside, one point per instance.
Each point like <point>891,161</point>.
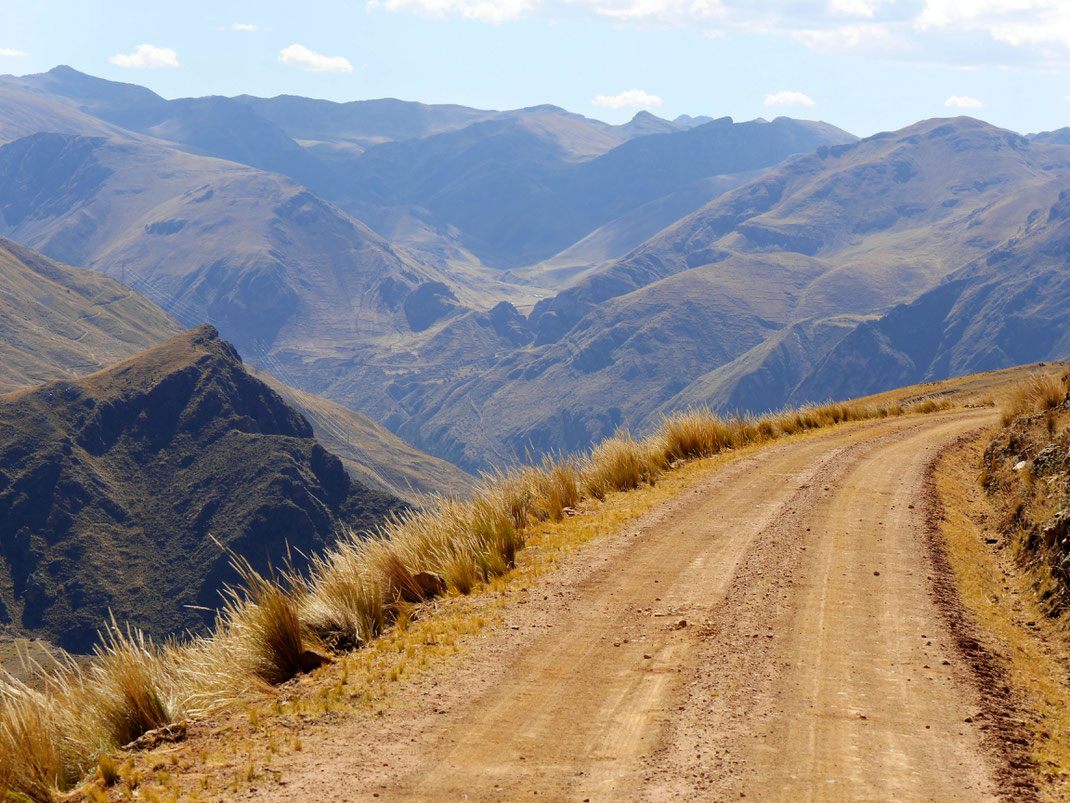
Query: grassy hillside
<point>734,306</point>
<point>372,455</point>
<point>121,490</point>
<point>59,321</point>
<point>1006,308</point>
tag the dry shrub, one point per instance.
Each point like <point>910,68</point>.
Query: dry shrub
<point>495,536</point>
<point>512,492</point>
<point>556,486</point>
<point>344,603</point>
<point>1038,393</point>
<point>33,762</point>
<point>394,576</point>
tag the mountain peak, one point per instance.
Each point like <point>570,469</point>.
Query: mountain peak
<point>180,455</point>
<point>67,82</point>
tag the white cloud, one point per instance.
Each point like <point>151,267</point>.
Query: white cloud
<point>855,8</point>
<point>8,51</point>
<point>146,56</point>
<point>1018,23</point>
<point>963,102</point>
<point>301,56</point>
<point>787,98</point>
<point>490,11</point>
<point>629,99</point>
<point>243,26</point>
<point>664,12</point>
<point>951,33</point>
<point>866,38</point>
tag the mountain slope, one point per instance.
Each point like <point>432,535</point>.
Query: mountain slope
<point>372,455</point>
<point>737,303</point>
<point>518,196</point>
<point>210,126</point>
<point>57,321</point>
<point>1005,309</point>
<point>120,491</point>
<point>270,263</point>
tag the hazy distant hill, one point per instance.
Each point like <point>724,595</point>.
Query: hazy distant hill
<point>269,262</point>
<point>513,187</point>
<point>304,289</point>
<point>211,126</point>
<point>113,487</point>
<point>527,279</point>
<point>517,196</point>
<point>1005,309</point>
<point>737,303</point>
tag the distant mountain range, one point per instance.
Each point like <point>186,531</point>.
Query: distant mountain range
<point>491,283</point>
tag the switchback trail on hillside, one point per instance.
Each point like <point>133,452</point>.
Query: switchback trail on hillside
<point>815,663</point>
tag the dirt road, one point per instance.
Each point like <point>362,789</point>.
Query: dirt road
<point>814,663</point>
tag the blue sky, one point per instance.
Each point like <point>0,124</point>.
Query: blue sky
<point>865,65</point>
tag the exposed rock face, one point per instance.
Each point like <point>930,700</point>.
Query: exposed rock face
<point>120,491</point>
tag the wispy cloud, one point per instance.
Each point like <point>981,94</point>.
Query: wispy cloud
<point>788,98</point>
<point>963,102</point>
<point>953,33</point>
<point>855,8</point>
<point>489,11</point>
<point>9,51</point>
<point>146,56</point>
<point>243,26</point>
<point>300,56</point>
<point>629,99</point>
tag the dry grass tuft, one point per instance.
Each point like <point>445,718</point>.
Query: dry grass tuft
<point>127,685</point>
<point>695,433</point>
<point>621,464</point>
<point>263,619</point>
<point>1039,393</point>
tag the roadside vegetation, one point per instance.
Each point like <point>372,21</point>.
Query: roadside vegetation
<point>1006,540</point>
<point>65,727</point>
<point>1026,474</point>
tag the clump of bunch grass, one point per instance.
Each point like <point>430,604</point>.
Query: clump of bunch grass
<point>51,738</point>
<point>622,463</point>
<point>263,620</point>
<point>128,686</point>
<point>1037,394</point>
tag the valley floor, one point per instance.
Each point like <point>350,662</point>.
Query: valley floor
<point>780,631</point>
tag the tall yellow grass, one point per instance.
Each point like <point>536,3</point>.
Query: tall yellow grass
<point>51,737</point>
<point>1038,393</point>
